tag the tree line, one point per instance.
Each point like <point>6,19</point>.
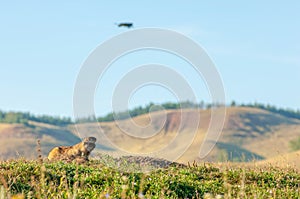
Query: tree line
<point>287,112</point>
<point>140,110</point>
<point>291,113</point>
<point>24,118</point>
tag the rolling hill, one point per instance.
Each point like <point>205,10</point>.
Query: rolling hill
<point>249,133</point>
<point>20,140</point>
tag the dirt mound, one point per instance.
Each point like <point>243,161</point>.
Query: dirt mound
<point>148,161</point>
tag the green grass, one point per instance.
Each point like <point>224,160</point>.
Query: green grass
<point>31,179</point>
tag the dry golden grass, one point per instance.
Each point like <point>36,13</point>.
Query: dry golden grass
<point>283,161</point>
<point>4,126</point>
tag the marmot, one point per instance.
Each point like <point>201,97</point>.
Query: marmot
<point>78,152</point>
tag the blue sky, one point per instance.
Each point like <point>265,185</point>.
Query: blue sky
<point>254,45</point>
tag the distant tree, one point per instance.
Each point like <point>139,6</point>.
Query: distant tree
<point>170,105</point>
<point>208,106</point>
<point>189,104</point>
<point>106,118</point>
<point>233,104</point>
<point>87,119</point>
<point>285,112</point>
<point>153,108</point>
<point>202,104</point>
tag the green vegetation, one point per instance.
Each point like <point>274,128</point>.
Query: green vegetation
<point>148,108</point>
<point>285,112</point>
<point>295,144</point>
<point>23,118</point>
<point>32,179</point>
<point>14,117</point>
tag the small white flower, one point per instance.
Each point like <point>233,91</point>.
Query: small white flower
<point>219,196</point>
<point>141,195</point>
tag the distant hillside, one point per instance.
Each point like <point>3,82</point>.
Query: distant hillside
<point>19,140</point>
<point>249,133</point>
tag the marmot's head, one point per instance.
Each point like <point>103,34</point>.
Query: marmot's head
<point>89,143</point>
<point>89,146</point>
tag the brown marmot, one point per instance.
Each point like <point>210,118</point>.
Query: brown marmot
<point>78,152</point>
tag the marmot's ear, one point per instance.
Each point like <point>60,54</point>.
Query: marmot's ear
<point>90,139</point>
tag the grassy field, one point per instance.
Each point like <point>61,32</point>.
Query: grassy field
<point>100,179</point>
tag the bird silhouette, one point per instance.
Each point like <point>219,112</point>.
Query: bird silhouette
<point>125,24</point>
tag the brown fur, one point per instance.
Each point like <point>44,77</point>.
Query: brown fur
<point>78,152</point>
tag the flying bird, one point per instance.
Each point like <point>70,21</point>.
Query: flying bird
<point>127,25</point>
